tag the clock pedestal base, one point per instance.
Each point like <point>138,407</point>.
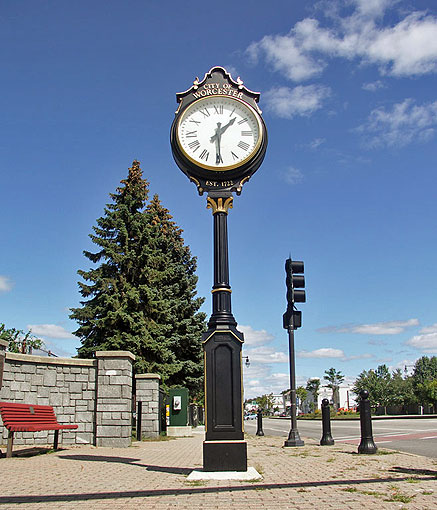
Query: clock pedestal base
<point>225,456</point>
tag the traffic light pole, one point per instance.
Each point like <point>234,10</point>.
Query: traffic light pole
<point>293,436</point>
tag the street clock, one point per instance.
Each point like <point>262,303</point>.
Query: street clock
<point>218,137</point>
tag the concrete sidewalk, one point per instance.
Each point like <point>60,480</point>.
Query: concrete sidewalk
<point>153,475</point>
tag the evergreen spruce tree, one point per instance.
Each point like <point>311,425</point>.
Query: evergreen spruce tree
<point>141,296</point>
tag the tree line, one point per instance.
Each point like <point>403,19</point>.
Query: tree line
<point>385,387</point>
<point>394,388</point>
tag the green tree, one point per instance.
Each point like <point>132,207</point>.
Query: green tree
<point>401,389</point>
<point>313,387</point>
<point>265,402</point>
<point>19,341</point>
<point>141,293</point>
<point>334,379</point>
<point>385,388</point>
<point>301,394</point>
<point>429,391</point>
<point>424,379</point>
<point>377,383</point>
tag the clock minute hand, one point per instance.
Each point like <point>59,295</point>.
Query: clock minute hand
<point>217,139</point>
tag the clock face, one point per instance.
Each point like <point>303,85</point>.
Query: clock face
<point>219,133</point>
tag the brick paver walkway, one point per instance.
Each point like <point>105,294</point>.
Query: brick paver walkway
<point>152,475</point>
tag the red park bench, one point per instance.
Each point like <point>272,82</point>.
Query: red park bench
<point>29,418</point>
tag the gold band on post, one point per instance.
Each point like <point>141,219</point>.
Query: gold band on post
<point>221,289</point>
<point>217,205</point>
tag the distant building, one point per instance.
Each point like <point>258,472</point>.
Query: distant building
<point>346,397</point>
<point>250,405</point>
<point>279,403</point>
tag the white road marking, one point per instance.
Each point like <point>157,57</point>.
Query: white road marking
<point>347,438</point>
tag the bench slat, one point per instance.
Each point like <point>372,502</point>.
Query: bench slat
<point>29,427</point>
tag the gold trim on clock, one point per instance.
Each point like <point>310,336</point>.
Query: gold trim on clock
<point>217,205</point>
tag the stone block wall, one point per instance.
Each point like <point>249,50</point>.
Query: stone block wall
<point>114,398</point>
<point>95,394</point>
<point>147,392</point>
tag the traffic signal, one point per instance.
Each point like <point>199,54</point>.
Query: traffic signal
<point>295,281</point>
<point>297,319</point>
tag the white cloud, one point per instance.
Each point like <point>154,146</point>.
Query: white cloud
<point>49,330</point>
<point>301,100</point>
<point>406,122</point>
<point>379,328</point>
<point>426,342</point>
<point>406,365</point>
<point>314,144</point>
<point>265,383</point>
<point>286,56</point>
<point>409,48</point>
<point>324,352</point>
<point>372,8</point>
<point>5,284</point>
<point>266,355</point>
<point>254,337</point>
<point>329,352</point>
<point>385,328</point>
<point>365,355</point>
<point>292,175</point>
<point>429,329</point>
<point>373,86</point>
<point>258,378</point>
<point>406,48</point>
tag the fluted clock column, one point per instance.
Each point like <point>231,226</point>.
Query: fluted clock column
<point>221,290</point>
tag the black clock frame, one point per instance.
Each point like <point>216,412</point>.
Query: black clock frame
<point>218,82</point>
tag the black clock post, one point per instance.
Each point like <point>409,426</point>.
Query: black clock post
<point>220,114</point>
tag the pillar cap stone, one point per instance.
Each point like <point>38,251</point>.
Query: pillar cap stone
<point>47,360</point>
<point>147,376</point>
<point>115,354</point>
<point>4,343</point>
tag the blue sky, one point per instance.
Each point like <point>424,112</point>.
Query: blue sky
<point>348,93</point>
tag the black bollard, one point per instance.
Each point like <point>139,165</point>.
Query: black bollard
<point>259,423</point>
<point>326,424</point>
<point>367,444</point>
<point>139,417</point>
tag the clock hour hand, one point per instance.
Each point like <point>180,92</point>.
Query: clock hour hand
<point>224,128</point>
<point>220,130</point>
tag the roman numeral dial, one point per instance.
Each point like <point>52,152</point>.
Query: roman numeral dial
<point>219,133</point>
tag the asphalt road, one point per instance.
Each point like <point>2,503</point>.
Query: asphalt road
<point>418,436</point>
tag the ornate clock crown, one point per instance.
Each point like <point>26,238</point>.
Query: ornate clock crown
<point>223,78</point>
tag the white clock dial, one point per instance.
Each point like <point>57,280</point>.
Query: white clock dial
<point>219,133</point>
